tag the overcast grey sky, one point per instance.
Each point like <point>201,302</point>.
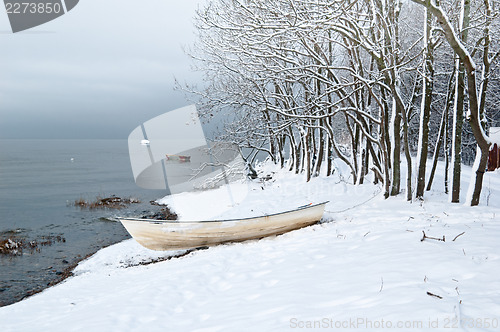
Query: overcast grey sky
<point>96,72</point>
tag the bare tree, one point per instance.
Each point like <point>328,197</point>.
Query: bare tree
<point>311,81</point>
<point>427,87</point>
<point>465,57</point>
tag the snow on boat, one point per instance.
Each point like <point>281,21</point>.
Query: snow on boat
<point>175,235</point>
<point>199,165</point>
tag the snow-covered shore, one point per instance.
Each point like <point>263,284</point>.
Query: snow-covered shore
<point>364,267</point>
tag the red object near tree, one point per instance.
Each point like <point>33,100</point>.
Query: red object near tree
<point>494,158</point>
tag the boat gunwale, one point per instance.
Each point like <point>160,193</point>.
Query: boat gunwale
<point>154,221</point>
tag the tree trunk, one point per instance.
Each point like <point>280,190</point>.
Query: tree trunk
<point>427,86</point>
<point>321,153</point>
<point>437,147</point>
<point>366,159</point>
<point>400,106</point>
<point>281,147</point>
<point>477,124</point>
<point>458,117</point>
<point>396,150</point>
<point>329,156</point>
<point>446,149</point>
<point>443,138</point>
<point>469,65</point>
<point>298,156</point>
<point>476,184</point>
<point>456,145</point>
<point>307,148</point>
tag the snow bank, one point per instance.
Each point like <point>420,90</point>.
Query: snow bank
<point>364,267</point>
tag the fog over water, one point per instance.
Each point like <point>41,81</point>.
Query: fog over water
<point>95,72</point>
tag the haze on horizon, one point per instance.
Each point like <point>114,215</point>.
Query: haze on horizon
<point>96,72</point>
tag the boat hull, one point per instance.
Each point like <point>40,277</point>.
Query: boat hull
<point>168,235</point>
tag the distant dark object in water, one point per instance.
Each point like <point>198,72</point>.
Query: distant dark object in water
<point>112,202</point>
<point>176,158</point>
<point>163,214</point>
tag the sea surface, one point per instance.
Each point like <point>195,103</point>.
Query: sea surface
<point>40,180</point>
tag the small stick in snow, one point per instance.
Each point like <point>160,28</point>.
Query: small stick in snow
<point>432,238</point>
<point>434,295</point>
<point>382,285</point>
<point>366,234</point>
<point>456,237</point>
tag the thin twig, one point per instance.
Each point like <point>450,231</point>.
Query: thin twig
<point>432,238</point>
<point>456,237</point>
<point>434,295</point>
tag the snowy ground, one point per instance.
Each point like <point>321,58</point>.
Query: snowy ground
<point>365,267</point>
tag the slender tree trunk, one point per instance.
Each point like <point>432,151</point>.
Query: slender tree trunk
<point>396,149</point>
<point>443,137</point>
<point>458,111</point>
<point>402,111</point>
<point>386,128</point>
<point>478,124</point>
<point>329,157</point>
<point>366,160</point>
<point>307,148</point>
<point>427,86</point>
<point>384,151</point>
<point>299,156</point>
<point>408,158</point>
<point>446,139</point>
<point>435,157</point>
<point>446,149</point>
<point>456,145</point>
<point>321,153</point>
<point>281,147</point>
<point>291,160</point>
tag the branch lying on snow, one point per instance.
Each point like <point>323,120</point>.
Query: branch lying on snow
<point>439,239</point>
<point>456,237</point>
<point>432,238</point>
<point>434,295</point>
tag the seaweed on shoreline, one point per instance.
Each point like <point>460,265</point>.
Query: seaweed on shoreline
<point>112,202</point>
<point>14,246</point>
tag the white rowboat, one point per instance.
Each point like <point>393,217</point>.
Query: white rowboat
<point>174,235</point>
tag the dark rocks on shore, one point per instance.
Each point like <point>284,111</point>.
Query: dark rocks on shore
<point>15,246</point>
<point>112,202</point>
<point>156,203</point>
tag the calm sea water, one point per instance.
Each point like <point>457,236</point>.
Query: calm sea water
<point>39,182</point>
